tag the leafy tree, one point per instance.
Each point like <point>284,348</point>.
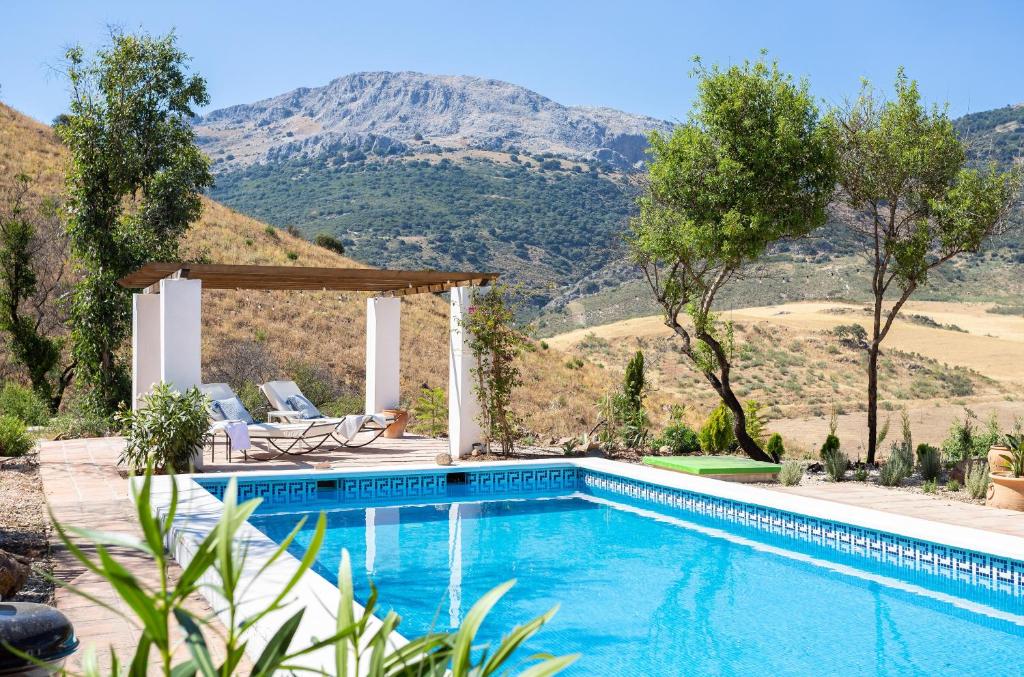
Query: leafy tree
<point>750,167</point>
<point>496,342</point>
<point>916,204</point>
<point>133,187</point>
<point>775,448</point>
<point>717,434</point>
<point>32,250</point>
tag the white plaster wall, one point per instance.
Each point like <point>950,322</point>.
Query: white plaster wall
<point>463,407</point>
<point>145,345</point>
<point>180,333</point>
<point>383,346</point>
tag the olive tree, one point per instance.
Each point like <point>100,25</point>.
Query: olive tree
<point>751,166</point>
<point>133,187</point>
<point>916,204</point>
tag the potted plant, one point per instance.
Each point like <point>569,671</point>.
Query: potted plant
<point>997,455</point>
<point>1007,488</point>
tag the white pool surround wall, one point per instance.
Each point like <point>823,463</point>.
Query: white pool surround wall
<point>198,511</point>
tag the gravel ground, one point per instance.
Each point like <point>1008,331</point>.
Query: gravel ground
<point>24,523</point>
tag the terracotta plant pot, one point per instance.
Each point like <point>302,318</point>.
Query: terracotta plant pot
<point>1006,491</point>
<point>397,429</point>
<point>996,463</point>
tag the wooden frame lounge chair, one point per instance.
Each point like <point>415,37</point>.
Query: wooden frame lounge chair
<point>283,395</point>
<point>293,439</point>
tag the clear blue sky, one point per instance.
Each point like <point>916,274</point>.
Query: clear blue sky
<point>633,55</point>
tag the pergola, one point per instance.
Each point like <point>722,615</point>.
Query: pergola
<point>167,327</point>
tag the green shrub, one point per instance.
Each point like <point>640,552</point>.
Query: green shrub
<point>966,441</point>
<point>831,445</point>
<point>253,400</point>
<point>292,255</point>
<point>167,431</point>
<point>835,462</point>
<point>976,480</point>
<point>23,404</point>
<point>774,447</point>
<point>330,243</point>
<point>314,381</point>
<point>929,462</point>
<point>929,486</point>
<point>952,485</point>
<point>14,438</point>
<point>897,467</point>
<point>860,474</point>
<point>344,405</point>
<point>680,438</point>
<point>716,435</point>
<point>159,606</point>
<point>430,412</point>
<point>81,419</point>
<point>791,474</point>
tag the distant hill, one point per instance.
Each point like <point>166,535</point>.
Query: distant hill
<point>411,170</point>
<point>387,113</point>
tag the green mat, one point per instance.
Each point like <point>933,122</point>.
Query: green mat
<point>712,465</point>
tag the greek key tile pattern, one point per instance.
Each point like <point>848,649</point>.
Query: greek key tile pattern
<point>384,488</point>
<point>964,566</point>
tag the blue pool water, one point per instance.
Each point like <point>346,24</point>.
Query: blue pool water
<point>646,590</point>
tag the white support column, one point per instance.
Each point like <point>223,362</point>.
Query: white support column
<point>180,333</point>
<point>145,345</point>
<point>463,407</point>
<point>383,351</point>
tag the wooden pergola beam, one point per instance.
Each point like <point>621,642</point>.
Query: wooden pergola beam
<point>299,278</point>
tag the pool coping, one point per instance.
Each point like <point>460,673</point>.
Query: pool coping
<point>198,511</point>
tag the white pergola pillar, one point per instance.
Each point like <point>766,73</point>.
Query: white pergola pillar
<point>145,345</point>
<point>383,351</point>
<point>181,333</point>
<point>463,407</point>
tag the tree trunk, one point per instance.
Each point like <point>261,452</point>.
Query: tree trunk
<point>872,401</point>
<point>739,426</point>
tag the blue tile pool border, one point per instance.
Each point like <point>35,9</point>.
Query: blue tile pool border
<point>989,572</point>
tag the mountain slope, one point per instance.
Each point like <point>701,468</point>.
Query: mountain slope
<point>389,113</point>
<point>263,335</point>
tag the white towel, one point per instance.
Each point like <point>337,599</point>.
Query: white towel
<point>350,425</point>
<point>238,433</point>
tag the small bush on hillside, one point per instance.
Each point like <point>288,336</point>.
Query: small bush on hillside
<point>253,400</point>
<point>23,404</point>
<point>330,243</point>
<point>314,381</point>
<point>14,438</point>
<point>929,462</point>
<point>344,405</point>
<point>774,447</point>
<point>977,480</point>
<point>166,432</point>
<point>716,434</point>
<point>271,232</point>
<point>680,438</point>
<point>430,412</point>
<point>791,474</point>
<point>292,255</point>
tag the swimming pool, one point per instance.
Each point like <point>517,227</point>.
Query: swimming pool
<point>658,573</point>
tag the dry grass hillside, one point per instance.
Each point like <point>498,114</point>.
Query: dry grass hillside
<point>939,358</point>
<point>266,334</point>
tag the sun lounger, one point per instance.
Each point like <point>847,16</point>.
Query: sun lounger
<point>293,439</point>
<point>290,405</point>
